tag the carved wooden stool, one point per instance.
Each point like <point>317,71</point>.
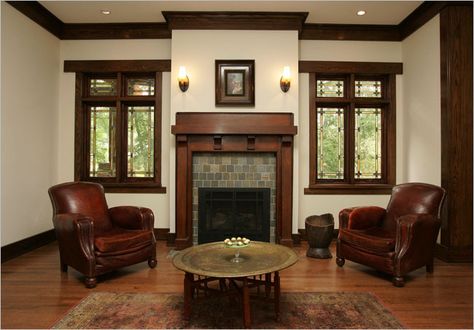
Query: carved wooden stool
<point>319,231</point>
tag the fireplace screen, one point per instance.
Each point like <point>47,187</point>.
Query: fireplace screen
<point>233,212</point>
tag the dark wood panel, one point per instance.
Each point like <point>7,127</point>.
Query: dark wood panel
<point>456,132</point>
<point>351,67</point>
<point>207,20</point>
<point>89,31</point>
<point>100,66</point>
<point>40,15</point>
<point>26,245</point>
<point>350,32</point>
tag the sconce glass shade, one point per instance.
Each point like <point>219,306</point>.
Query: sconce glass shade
<point>285,80</point>
<point>183,80</point>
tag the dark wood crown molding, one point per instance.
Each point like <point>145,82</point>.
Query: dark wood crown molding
<point>233,21</point>
<point>39,14</point>
<point>89,31</point>
<point>115,31</point>
<point>350,32</point>
<point>202,20</point>
<point>118,65</point>
<point>421,15</point>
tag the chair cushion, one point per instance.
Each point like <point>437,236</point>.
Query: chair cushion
<point>373,239</point>
<point>122,240</point>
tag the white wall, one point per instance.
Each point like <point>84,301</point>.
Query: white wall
<point>39,129</point>
<point>355,51</point>
<point>422,104</point>
<point>198,50</point>
<point>113,50</point>
<point>29,103</point>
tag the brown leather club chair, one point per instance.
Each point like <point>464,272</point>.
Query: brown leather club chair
<point>395,240</point>
<point>95,239</point>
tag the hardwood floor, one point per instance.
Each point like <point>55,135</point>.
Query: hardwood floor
<point>35,294</point>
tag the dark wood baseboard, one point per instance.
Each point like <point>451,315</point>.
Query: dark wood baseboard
<point>161,234</point>
<point>26,245</point>
<point>452,254</point>
<point>170,239</point>
<point>29,244</point>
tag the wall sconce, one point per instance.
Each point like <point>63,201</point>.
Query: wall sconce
<point>183,80</point>
<point>285,80</point>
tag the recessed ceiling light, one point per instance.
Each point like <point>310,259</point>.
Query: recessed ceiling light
<point>361,13</point>
<point>105,11</point>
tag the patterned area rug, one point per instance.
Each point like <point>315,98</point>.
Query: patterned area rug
<point>164,311</point>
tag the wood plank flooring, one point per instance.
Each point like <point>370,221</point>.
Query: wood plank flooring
<point>35,294</point>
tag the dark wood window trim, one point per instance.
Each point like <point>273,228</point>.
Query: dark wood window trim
<point>387,72</point>
<point>119,69</point>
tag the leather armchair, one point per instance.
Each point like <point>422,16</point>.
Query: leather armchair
<point>395,240</point>
<point>94,239</point>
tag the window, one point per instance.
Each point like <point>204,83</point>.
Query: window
<point>352,133</point>
<point>118,127</point>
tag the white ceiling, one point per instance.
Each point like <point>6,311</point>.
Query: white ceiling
<point>340,12</point>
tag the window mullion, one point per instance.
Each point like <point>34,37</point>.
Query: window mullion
<point>350,147</point>
<point>121,118</point>
<point>350,133</point>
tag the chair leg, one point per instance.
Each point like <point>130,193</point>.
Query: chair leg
<point>90,282</point>
<point>63,267</point>
<point>340,261</point>
<point>398,281</point>
<point>429,268</point>
<point>152,262</point>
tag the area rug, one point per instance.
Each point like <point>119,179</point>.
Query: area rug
<point>315,310</point>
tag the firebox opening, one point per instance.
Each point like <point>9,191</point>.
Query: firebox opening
<point>232,212</point>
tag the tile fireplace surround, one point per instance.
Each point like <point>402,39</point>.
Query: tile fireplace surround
<point>234,170</point>
<point>199,133</point>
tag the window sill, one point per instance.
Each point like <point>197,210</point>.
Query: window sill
<point>133,188</point>
<point>349,189</point>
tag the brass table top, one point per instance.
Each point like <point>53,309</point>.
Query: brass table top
<point>213,259</point>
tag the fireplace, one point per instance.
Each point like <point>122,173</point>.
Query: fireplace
<point>233,171</point>
<point>228,212</point>
<point>226,133</point>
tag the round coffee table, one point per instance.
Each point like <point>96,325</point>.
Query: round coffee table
<point>213,262</point>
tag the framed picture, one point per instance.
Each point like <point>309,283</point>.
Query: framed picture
<point>235,82</point>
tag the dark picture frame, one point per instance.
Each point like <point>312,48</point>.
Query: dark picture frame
<point>235,83</point>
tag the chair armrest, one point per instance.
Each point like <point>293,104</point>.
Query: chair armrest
<point>361,217</point>
<point>131,217</point>
<point>416,229</point>
<point>75,234</point>
<point>415,239</point>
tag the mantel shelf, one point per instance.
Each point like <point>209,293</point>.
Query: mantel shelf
<point>218,123</point>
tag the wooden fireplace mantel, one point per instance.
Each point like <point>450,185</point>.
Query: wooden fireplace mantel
<point>234,132</point>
